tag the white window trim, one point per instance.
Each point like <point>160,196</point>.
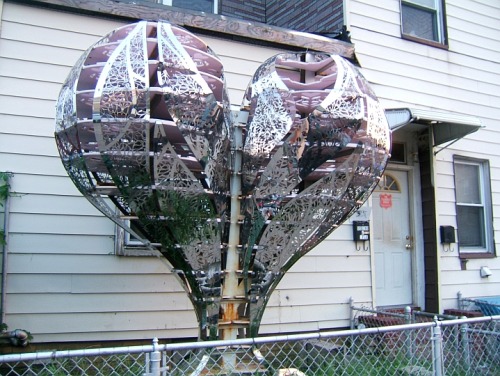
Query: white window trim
<point>486,203</point>
<point>125,246</point>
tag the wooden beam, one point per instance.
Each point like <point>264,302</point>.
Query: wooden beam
<point>228,26</point>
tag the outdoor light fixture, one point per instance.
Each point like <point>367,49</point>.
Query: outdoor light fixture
<point>144,119</point>
<point>485,272</point>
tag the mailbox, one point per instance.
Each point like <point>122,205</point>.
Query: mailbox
<point>447,234</point>
<point>361,231</point>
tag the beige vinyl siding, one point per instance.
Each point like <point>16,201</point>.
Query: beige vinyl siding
<point>64,283</point>
<point>464,79</point>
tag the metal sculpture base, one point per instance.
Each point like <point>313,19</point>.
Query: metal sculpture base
<point>228,361</point>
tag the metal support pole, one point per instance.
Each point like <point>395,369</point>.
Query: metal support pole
<point>465,347</point>
<point>154,360</point>
<point>351,311</point>
<point>408,315</point>
<point>408,333</point>
<point>437,348</point>
<point>231,287</point>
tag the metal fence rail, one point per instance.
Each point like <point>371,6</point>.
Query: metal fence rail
<point>452,347</point>
<point>488,306</point>
<point>361,317</point>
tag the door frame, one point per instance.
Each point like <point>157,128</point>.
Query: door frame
<point>416,229</point>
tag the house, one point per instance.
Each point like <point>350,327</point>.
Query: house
<point>68,274</point>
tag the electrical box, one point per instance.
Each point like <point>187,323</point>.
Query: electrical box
<point>361,231</point>
<point>447,234</point>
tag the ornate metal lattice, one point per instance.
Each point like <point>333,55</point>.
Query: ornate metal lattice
<point>144,119</point>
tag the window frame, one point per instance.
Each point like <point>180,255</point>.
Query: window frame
<point>126,245</point>
<point>488,251</point>
<point>215,5</point>
<point>439,20</point>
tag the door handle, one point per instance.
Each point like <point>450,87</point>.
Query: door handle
<point>409,242</point>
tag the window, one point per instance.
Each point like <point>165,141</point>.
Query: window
<point>388,183</point>
<point>208,6</point>
<point>473,206</point>
<point>423,20</point>
<point>127,244</point>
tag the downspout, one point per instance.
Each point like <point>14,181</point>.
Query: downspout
<point>346,14</point>
<point>432,158</point>
<point>5,251</point>
<point>1,16</point>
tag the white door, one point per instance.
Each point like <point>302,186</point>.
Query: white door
<point>392,244</point>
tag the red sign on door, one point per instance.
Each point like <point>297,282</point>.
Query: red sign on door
<point>386,200</point>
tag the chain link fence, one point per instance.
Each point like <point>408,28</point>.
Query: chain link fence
<point>452,347</point>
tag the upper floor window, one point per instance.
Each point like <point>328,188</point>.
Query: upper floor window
<point>423,20</point>
<point>207,6</point>
<point>473,205</point>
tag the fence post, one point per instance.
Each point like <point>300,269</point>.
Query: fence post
<point>154,360</point>
<point>460,302</point>
<point>351,312</point>
<point>464,339</point>
<point>408,333</point>
<point>437,348</point>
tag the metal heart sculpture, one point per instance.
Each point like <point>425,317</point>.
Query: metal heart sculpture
<point>231,201</point>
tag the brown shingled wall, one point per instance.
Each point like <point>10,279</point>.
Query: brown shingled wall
<point>313,16</point>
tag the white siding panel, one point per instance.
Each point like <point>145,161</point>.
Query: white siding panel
<point>133,325</point>
<point>313,263</point>
<point>483,14</point>
<point>29,88</point>
<point>49,19</point>
<point>419,55</point>
<point>54,204</point>
<point>60,224</point>
<point>305,318</point>
<point>92,283</point>
<point>329,296</point>
<point>24,164</point>
<point>38,184</point>
<point>84,264</point>
<point>20,106</point>
<point>27,124</point>
<point>67,39</point>
<point>142,335</point>
<point>129,302</point>
<point>60,243</point>
<point>39,146</point>
<point>30,70</point>
<point>17,50</point>
<point>383,19</point>
<point>324,280</point>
